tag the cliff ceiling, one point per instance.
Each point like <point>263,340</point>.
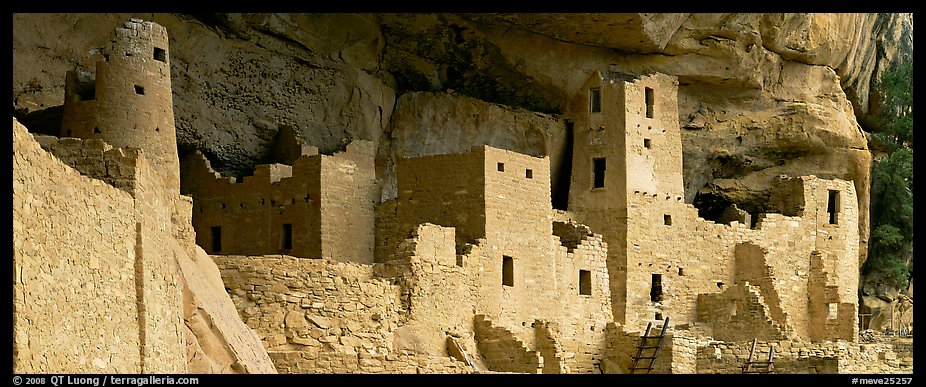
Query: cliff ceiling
<point>760,95</point>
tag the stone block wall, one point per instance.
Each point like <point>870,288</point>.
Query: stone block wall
<point>446,190</point>
<point>312,305</point>
<point>347,197</point>
<point>124,313</point>
<point>74,289</point>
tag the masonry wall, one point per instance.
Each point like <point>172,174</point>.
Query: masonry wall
<point>446,190</point>
<point>74,299</point>
<point>348,195</point>
<point>125,299</point>
<point>321,316</point>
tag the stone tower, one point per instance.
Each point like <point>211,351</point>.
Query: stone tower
<point>627,145</point>
<point>129,103</point>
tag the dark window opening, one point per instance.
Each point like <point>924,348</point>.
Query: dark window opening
<point>96,130</point>
<point>681,272</point>
<point>128,53</point>
<point>223,205</point>
<point>832,207</point>
<point>507,271</point>
<point>594,99</point>
<point>139,90</point>
<point>216,238</point>
<point>160,55</point>
<point>598,167</point>
<point>241,205</point>
<point>658,316</point>
<point>529,173</point>
<point>646,143</point>
<point>286,239</point>
<point>501,167</point>
<point>753,221</point>
<point>650,97</point>
<point>585,283</point>
<point>158,129</point>
<point>655,293</point>
<point>261,201</point>
<point>667,219</point>
<point>720,285</point>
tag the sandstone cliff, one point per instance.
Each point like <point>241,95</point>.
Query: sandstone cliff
<point>760,95</point>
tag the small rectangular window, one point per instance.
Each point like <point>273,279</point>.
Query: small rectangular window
<point>507,271</point>
<point>646,143</point>
<point>139,90</point>
<point>598,168</point>
<point>501,167</point>
<point>529,173</point>
<point>286,239</point>
<point>655,293</point>
<point>216,238</point>
<point>650,99</point>
<point>667,220</point>
<point>585,283</point>
<point>594,98</point>
<point>160,55</point>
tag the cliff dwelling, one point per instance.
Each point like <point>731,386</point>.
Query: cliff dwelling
<point>488,259</point>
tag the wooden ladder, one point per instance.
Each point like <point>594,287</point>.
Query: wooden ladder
<point>758,366</point>
<point>647,346</point>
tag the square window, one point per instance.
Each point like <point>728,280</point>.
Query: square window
<point>139,90</point>
<point>646,143</point>
<point>501,167</point>
<point>160,54</point>
<point>529,174</point>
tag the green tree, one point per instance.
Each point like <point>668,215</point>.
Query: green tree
<point>891,247</point>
